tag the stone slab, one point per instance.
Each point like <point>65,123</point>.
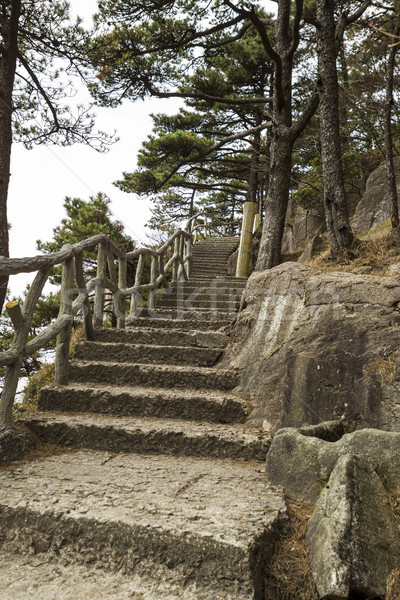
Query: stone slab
<point>147,353</point>
<point>208,522</point>
<point>147,435</point>
<point>200,405</point>
<point>148,335</point>
<point>166,376</point>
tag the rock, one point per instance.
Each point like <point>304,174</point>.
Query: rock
<point>374,207</point>
<point>330,431</point>
<point>317,346</point>
<point>300,227</point>
<point>394,268</point>
<point>313,248</point>
<point>302,464</point>
<point>231,264</point>
<point>353,535</point>
<point>15,444</point>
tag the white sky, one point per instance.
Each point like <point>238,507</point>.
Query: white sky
<point>41,178</point>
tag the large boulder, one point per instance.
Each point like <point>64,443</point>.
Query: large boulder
<point>374,207</point>
<point>302,464</point>
<point>301,226</point>
<point>353,535</point>
<point>316,346</point>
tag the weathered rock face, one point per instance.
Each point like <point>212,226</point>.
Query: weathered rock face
<point>301,464</point>
<point>374,208</point>
<point>317,346</point>
<point>300,227</point>
<point>353,535</point>
<point>15,444</point>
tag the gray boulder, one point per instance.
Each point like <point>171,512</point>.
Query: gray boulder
<point>302,464</point>
<point>318,346</point>
<point>353,535</point>
<point>301,226</point>
<point>374,208</point>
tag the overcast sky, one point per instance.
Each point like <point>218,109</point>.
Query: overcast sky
<point>41,178</point>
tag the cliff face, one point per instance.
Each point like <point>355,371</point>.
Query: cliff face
<point>316,346</point>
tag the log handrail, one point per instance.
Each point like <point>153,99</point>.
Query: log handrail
<point>174,255</point>
<point>208,225</point>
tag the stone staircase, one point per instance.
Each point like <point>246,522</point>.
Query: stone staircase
<point>158,488</point>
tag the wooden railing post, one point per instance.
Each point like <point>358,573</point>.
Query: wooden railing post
<point>87,311</point>
<point>114,279</point>
<point>100,276</point>
<point>121,304</point>
<point>153,283</point>
<point>21,320</point>
<point>64,337</point>
<point>138,281</point>
<point>176,261</point>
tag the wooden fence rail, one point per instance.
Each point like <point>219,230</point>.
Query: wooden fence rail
<point>174,257</point>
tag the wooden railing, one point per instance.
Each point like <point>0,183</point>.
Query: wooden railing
<point>172,259</point>
<point>203,226</point>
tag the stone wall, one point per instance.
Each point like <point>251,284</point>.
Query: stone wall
<point>316,346</point>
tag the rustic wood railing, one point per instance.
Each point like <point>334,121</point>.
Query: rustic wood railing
<point>209,226</point>
<point>111,274</point>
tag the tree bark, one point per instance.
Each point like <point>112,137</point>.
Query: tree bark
<point>8,64</point>
<point>391,175</point>
<point>336,214</point>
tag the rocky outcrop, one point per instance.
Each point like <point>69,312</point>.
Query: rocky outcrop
<point>374,207</point>
<point>353,535</point>
<point>300,227</point>
<point>302,464</point>
<point>316,346</point>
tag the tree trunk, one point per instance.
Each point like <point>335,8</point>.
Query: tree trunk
<point>276,204</point>
<point>336,214</point>
<point>8,63</point>
<point>391,175</point>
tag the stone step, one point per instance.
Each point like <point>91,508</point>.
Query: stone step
<point>163,337</point>
<point>201,405</point>
<point>143,435</point>
<point>147,354</point>
<point>194,301</point>
<point>184,324</point>
<point>159,376</point>
<point>174,527</point>
<point>194,314</point>
<point>215,294</point>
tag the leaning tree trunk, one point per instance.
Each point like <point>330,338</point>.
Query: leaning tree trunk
<point>8,63</point>
<point>391,175</point>
<point>336,214</point>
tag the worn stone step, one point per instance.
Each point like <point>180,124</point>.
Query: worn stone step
<point>199,405</point>
<point>184,324</point>
<point>147,353</point>
<point>194,301</point>
<point>194,314</point>
<point>202,295</point>
<point>164,376</point>
<point>163,337</point>
<point>177,527</point>
<point>144,435</point>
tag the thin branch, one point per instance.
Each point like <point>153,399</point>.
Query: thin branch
<point>41,90</point>
<point>296,28</point>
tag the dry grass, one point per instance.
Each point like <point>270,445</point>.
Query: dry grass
<point>373,254</point>
<point>289,576</point>
<point>384,367</point>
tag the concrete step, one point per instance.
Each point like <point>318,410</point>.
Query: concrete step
<point>184,324</point>
<point>175,527</point>
<point>201,405</point>
<point>147,354</point>
<point>159,376</point>
<point>143,435</point>
<point>163,337</point>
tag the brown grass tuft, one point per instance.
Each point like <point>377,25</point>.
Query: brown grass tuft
<point>373,254</point>
<point>289,575</point>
